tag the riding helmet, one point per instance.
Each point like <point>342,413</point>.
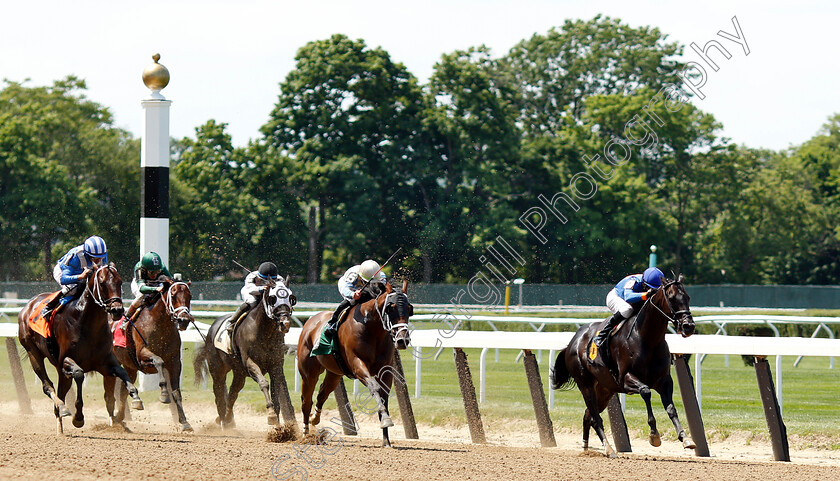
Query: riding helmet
<point>151,261</point>
<point>95,247</point>
<point>368,269</point>
<point>268,270</point>
<point>653,277</point>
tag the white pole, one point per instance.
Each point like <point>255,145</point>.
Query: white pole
<point>698,382</point>
<point>418,360</point>
<point>551,355</point>
<point>779,383</point>
<point>154,177</point>
<point>482,372</point>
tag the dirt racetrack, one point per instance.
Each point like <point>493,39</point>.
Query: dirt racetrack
<point>31,450</point>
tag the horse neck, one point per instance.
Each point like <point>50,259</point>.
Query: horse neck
<point>651,324</point>
<point>374,321</point>
<point>92,312</point>
<point>264,324</point>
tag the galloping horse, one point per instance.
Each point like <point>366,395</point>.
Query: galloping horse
<point>642,359</point>
<point>366,343</point>
<point>258,347</point>
<point>80,341</point>
<point>154,345</point>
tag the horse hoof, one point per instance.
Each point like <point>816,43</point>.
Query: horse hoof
<point>272,420</point>
<point>137,405</point>
<point>185,428</point>
<point>688,443</point>
<point>387,423</point>
<point>655,440</point>
<point>78,422</point>
<point>165,399</point>
<point>63,411</point>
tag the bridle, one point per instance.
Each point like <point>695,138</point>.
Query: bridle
<point>96,292</point>
<point>176,313</point>
<point>676,316</point>
<point>392,329</point>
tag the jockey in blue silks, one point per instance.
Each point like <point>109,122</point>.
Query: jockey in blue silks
<point>631,290</point>
<point>73,269</point>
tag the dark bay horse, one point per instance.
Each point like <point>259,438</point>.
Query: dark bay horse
<point>154,346</point>
<point>80,341</point>
<point>366,342</point>
<point>643,362</point>
<point>260,348</point>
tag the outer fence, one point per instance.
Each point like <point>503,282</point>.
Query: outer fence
<point>702,295</point>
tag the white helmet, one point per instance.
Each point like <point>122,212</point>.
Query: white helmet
<point>368,269</point>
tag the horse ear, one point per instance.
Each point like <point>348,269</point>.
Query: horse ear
<point>405,286</point>
<point>189,283</point>
<point>681,278</point>
<point>389,288</point>
<point>286,281</point>
<point>112,264</point>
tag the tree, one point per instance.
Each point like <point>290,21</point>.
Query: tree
<point>343,119</point>
<point>60,159</point>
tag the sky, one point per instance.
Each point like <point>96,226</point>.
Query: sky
<point>226,59</point>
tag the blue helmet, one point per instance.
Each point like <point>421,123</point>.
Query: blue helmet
<point>95,247</point>
<point>653,277</point>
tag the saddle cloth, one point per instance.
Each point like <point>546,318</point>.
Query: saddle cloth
<point>119,334</point>
<point>37,322</point>
<point>222,338</point>
<point>328,344</point>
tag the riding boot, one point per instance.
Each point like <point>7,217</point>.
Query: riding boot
<point>331,324</point>
<point>604,333</point>
<point>47,310</point>
<point>234,320</point>
<point>132,310</point>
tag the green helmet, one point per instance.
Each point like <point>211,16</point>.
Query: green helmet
<point>151,261</point>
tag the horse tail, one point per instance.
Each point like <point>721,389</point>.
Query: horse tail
<point>199,364</point>
<point>559,376</point>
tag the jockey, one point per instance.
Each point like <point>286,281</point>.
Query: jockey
<point>631,290</point>
<point>149,275</point>
<point>73,269</point>
<point>350,286</point>
<point>257,281</point>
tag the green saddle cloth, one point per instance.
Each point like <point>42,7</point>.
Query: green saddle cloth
<point>328,343</point>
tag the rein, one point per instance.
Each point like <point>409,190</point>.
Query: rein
<point>96,292</point>
<point>674,313</point>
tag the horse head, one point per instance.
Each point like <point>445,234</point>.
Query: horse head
<point>278,302</point>
<point>177,296</point>
<point>105,287</point>
<point>676,305</point>
<point>394,311</point>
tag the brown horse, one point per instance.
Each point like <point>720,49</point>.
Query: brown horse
<point>259,347</point>
<point>80,341</point>
<point>366,343</point>
<point>154,346</point>
<point>643,361</point>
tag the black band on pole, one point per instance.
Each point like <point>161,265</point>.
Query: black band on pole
<point>154,192</point>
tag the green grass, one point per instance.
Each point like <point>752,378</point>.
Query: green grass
<point>730,397</point>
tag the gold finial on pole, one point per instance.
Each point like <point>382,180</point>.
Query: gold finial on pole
<point>156,76</point>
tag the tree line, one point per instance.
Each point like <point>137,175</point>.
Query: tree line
<point>359,158</point>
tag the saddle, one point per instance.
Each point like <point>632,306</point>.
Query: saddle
<point>328,345</point>
<point>601,356</point>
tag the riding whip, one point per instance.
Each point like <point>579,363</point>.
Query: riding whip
<point>380,268</point>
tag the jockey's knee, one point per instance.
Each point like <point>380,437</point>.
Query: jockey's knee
<point>626,312</point>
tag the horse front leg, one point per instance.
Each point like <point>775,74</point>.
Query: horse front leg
<point>256,374</point>
<point>72,370</point>
<point>236,385</point>
<point>329,384</point>
<point>113,368</point>
<point>666,393</point>
<point>173,378</point>
<point>633,384</point>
